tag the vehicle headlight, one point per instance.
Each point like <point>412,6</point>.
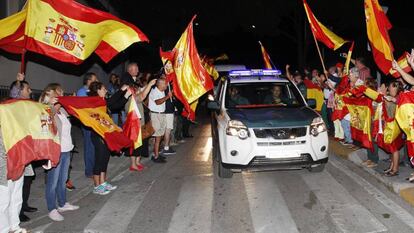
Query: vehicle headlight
<point>237,128</point>
<point>317,126</point>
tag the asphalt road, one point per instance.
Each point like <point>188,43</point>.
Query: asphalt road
<point>185,195</point>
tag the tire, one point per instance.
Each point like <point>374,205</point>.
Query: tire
<point>223,172</point>
<point>317,169</point>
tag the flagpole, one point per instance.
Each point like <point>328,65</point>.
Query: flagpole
<point>319,52</point>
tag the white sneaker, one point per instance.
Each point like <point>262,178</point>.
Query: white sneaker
<point>109,186</point>
<point>101,190</point>
<point>56,216</point>
<point>68,207</point>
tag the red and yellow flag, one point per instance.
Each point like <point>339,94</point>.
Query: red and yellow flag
<point>91,111</point>
<point>313,91</point>
<point>12,32</point>
<point>386,130</point>
<point>348,58</point>
<point>360,109</point>
<point>403,63</point>
<point>132,126</point>
<point>29,134</point>
<point>168,62</point>
<point>405,118</point>
<point>266,57</point>
<point>208,64</point>
<point>377,30</point>
<point>192,78</point>
<point>322,34</point>
<point>70,32</point>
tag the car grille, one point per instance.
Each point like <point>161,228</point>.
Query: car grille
<point>280,133</point>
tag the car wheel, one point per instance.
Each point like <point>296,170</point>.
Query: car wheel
<point>318,168</point>
<point>223,172</point>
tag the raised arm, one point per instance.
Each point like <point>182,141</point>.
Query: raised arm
<point>407,77</point>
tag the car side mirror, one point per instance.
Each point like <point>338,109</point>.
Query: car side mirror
<point>311,103</point>
<point>213,105</point>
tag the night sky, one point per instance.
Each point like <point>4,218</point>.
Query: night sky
<point>225,26</point>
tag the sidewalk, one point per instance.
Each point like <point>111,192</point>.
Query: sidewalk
<point>397,184</point>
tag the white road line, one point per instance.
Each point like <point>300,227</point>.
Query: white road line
<point>204,154</point>
<point>345,211</point>
<point>118,211</point>
<point>194,207</point>
<point>400,212</point>
<point>268,209</point>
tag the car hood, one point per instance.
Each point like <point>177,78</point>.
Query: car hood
<point>273,117</point>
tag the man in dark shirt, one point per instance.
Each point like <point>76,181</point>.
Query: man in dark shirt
<point>169,116</point>
<point>131,76</point>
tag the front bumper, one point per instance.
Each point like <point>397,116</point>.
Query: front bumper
<point>256,153</point>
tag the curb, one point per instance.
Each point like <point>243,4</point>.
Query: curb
<point>396,184</point>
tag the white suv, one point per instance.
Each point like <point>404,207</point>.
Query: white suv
<point>260,121</point>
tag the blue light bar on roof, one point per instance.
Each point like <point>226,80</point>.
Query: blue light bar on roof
<point>255,73</point>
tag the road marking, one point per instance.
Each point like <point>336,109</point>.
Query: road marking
<point>194,207</point>
<point>400,212</point>
<point>203,155</point>
<point>345,211</point>
<point>268,209</point>
<point>118,210</point>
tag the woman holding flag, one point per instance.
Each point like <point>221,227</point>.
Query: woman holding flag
<point>140,94</point>
<point>57,176</point>
<point>115,103</point>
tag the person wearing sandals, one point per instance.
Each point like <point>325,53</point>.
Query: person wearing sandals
<point>57,176</point>
<point>102,154</point>
<point>394,88</point>
<point>140,95</point>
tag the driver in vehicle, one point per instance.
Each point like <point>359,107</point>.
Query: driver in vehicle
<point>235,98</point>
<point>275,96</point>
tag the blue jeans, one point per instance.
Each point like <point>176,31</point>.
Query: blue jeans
<point>56,182</point>
<point>115,118</point>
<point>346,126</point>
<point>88,152</point>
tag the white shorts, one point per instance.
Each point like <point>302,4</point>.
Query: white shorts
<point>158,123</point>
<point>169,118</point>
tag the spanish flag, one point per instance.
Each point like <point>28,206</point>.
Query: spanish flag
<point>377,30</point>
<point>70,32</point>
<point>360,109</point>
<point>348,58</point>
<point>405,118</point>
<point>314,92</point>
<point>322,34</point>
<point>266,57</point>
<point>12,32</point>
<point>386,130</point>
<point>91,111</point>
<point>192,78</point>
<point>168,63</point>
<point>368,92</point>
<point>403,63</point>
<point>208,64</point>
<point>132,126</point>
<point>29,134</point>
<point>340,109</point>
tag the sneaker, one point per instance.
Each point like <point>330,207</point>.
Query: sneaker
<point>109,186</point>
<point>170,151</point>
<point>69,186</point>
<point>100,190</point>
<point>68,207</point>
<point>56,216</point>
<point>158,160</point>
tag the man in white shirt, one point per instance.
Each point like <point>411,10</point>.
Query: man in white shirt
<point>156,104</point>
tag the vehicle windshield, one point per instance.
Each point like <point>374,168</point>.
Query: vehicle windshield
<point>262,95</point>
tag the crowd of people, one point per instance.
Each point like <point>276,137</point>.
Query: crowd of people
<point>384,108</point>
<point>158,108</point>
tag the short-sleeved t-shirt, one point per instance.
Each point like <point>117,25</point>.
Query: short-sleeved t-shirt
<point>154,95</point>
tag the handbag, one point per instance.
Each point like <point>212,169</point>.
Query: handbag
<point>147,130</point>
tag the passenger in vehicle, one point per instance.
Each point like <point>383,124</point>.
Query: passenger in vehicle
<point>275,97</point>
<point>235,98</point>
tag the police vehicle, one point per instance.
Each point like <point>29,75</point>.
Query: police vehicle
<point>260,122</point>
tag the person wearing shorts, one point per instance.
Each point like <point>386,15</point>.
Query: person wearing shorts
<point>156,104</point>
